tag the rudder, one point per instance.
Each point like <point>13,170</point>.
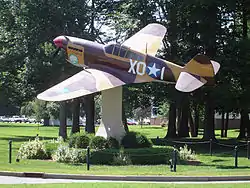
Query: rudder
<point>197,72</point>
<point>202,66</point>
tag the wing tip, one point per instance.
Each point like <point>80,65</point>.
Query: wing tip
<point>155,29</point>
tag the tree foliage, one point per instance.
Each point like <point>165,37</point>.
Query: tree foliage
<point>218,29</point>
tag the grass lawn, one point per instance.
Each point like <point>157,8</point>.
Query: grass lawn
<point>126,185</point>
<point>221,163</point>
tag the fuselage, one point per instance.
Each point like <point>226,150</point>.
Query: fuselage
<point>124,63</point>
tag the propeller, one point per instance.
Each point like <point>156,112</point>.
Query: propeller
<point>55,52</point>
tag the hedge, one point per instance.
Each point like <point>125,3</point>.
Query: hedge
<point>142,156</point>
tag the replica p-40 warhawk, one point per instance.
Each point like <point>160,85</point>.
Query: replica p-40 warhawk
<point>112,65</point>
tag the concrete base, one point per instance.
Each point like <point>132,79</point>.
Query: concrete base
<point>111,123</point>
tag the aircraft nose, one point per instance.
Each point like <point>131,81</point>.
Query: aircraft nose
<point>60,41</point>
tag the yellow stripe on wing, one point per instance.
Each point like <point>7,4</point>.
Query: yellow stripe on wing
<point>102,81</point>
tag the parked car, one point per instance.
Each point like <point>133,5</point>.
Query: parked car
<point>146,121</point>
<point>132,122</point>
<point>18,119</point>
<point>32,120</point>
<point>4,119</point>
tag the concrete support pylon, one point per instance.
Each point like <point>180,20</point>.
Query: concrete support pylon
<point>111,123</point>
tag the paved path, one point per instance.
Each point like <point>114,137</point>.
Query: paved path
<point>24,180</point>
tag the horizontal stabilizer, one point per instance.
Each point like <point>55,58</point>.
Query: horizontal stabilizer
<point>216,66</point>
<point>188,82</point>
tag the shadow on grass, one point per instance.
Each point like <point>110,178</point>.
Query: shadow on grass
<point>219,166</point>
<point>146,127</point>
<point>236,130</point>
<point>232,167</point>
<point>218,160</point>
<point>221,148</point>
<point>16,138</point>
<point>20,126</point>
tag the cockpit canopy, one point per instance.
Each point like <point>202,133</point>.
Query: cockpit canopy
<point>123,52</point>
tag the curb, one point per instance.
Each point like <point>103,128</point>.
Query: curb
<point>125,178</point>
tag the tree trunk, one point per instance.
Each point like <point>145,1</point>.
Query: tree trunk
<point>179,115</point>
<point>226,124</point>
<point>172,121</point>
<point>196,119</point>
<point>191,124</point>
<point>89,105</point>
<point>75,116</point>
<point>63,120</point>
<point>244,120</point>
<point>124,119</point>
<point>183,130</point>
<point>209,119</point>
<point>222,133</point>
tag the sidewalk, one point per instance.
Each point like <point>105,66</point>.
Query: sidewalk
<point>126,178</point>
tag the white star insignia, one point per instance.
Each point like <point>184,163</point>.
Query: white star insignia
<point>153,70</point>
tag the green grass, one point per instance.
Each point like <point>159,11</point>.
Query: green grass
<point>221,163</point>
<point>126,185</point>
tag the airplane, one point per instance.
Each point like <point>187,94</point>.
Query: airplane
<point>133,61</point>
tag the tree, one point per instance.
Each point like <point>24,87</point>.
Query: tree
<point>75,115</point>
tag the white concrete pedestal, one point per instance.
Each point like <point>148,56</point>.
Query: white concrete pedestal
<point>111,123</point>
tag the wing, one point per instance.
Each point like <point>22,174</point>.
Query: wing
<point>83,83</point>
<point>147,40</point>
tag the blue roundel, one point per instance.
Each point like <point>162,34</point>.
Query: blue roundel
<point>153,70</point>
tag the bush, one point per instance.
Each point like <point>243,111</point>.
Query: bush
<point>98,143</point>
<point>112,143</point>
<point>52,145</point>
<point>79,140</point>
<point>121,159</point>
<point>145,156</point>
<point>186,154</point>
<point>135,140</point>
<point>64,154</point>
<point>50,148</point>
<point>32,150</point>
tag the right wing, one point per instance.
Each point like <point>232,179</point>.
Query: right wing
<point>147,40</point>
<point>83,83</point>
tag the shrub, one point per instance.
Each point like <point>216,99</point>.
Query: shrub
<point>98,143</point>
<point>32,150</point>
<point>112,143</point>
<point>64,154</point>
<point>77,156</point>
<point>186,154</point>
<point>79,140</point>
<point>121,159</point>
<point>135,140</point>
<point>72,140</point>
<point>52,145</point>
<point>50,148</point>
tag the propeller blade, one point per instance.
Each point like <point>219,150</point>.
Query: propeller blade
<point>56,52</point>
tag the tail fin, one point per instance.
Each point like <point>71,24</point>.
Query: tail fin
<point>197,72</point>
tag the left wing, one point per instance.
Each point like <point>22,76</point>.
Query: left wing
<point>83,83</point>
<point>147,40</point>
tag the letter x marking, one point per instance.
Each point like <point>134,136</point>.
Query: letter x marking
<point>132,66</point>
